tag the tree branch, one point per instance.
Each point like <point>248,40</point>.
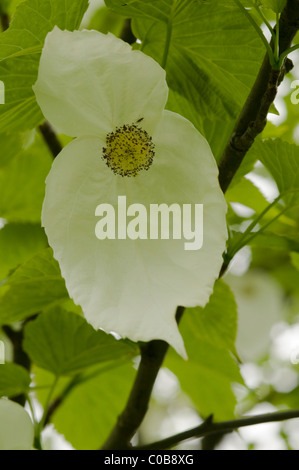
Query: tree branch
<point>4,21</point>
<point>127,33</point>
<point>250,123</point>
<point>20,357</point>
<point>253,117</point>
<point>208,427</point>
<point>50,138</point>
<point>152,357</point>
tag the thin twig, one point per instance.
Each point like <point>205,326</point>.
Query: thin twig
<point>252,118</point>
<point>127,33</point>
<point>4,21</point>
<point>208,427</point>
<point>20,357</point>
<point>152,356</point>
<point>50,138</point>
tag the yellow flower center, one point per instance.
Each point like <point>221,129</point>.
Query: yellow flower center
<point>129,149</point>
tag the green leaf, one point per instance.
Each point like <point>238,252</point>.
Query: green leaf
<point>20,48</point>
<point>34,286</point>
<point>246,193</point>
<point>209,335</point>
<point>11,145</point>
<point>217,322</point>
<point>64,343</point>
<point>216,132</point>
<point>11,6</point>
<point>289,399</point>
<point>273,109</point>
<point>282,161</point>
<point>277,242</point>
<point>276,5</point>
<point>213,50</point>
<point>141,8</point>
<point>22,183</point>
<point>4,6</point>
<point>14,380</point>
<point>295,259</point>
<point>18,243</point>
<point>207,379</point>
<point>89,412</point>
<point>106,21</point>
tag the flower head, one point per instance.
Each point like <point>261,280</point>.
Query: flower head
<point>16,429</point>
<point>130,155</point>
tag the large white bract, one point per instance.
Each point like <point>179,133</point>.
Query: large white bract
<point>95,88</point>
<point>16,428</point>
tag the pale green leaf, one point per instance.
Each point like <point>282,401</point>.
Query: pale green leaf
<point>282,161</point>
<point>22,183</point>
<point>64,343</point>
<point>207,379</point>
<point>89,411</point>
<point>246,193</point>
<point>18,243</point>
<point>34,286</point>
<point>295,259</point>
<point>217,322</point>
<point>11,145</point>
<point>20,48</point>
<point>276,242</point>
<point>209,335</point>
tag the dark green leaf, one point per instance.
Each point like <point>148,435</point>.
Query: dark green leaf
<point>14,380</point>
<point>214,55</point>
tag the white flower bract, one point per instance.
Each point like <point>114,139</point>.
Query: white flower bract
<point>16,428</point>
<point>89,85</point>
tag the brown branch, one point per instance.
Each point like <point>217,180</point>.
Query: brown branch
<point>208,427</point>
<point>127,33</point>
<point>4,21</point>
<point>19,355</point>
<point>50,138</point>
<point>152,357</point>
<point>250,123</point>
<point>253,117</point>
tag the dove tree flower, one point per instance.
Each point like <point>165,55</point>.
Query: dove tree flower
<point>127,147</point>
<point>16,429</point>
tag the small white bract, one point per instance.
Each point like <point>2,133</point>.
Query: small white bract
<point>96,88</point>
<point>16,428</point>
